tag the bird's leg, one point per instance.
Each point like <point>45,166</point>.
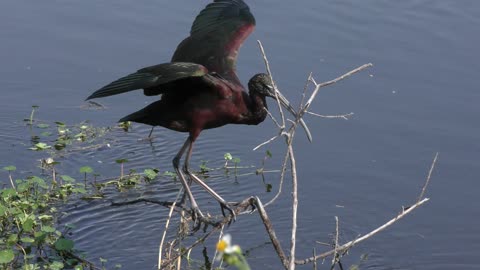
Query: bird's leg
<point>150,134</point>
<point>184,195</point>
<point>196,213</point>
<point>223,204</point>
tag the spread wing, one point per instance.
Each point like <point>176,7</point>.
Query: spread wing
<point>151,79</point>
<point>216,36</point>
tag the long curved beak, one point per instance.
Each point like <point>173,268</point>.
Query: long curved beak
<point>289,107</point>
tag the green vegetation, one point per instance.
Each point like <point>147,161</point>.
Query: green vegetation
<point>30,236</point>
<point>28,224</point>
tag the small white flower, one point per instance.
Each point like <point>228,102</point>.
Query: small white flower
<point>49,161</point>
<point>224,246</point>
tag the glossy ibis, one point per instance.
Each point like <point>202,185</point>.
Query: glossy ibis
<point>199,88</point>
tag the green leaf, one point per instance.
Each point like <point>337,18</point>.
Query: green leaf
<point>45,217</point>
<point>56,265</point>
<point>3,210</point>
<point>236,160</point>
<point>46,133</point>
<point>39,236</point>
<point>80,190</point>
<point>268,153</point>
<point>227,156</point>
<point>40,146</point>
<point>10,168</point>
<point>28,225</point>
<point>27,240</point>
<point>43,125</point>
<point>12,239</point>
<point>78,267</point>
<point>86,169</point>
<point>123,160</point>
<point>6,256</point>
<point>170,174</point>
<point>354,267</point>
<point>48,229</point>
<point>150,174</point>
<point>67,178</point>
<point>8,192</point>
<point>63,244</point>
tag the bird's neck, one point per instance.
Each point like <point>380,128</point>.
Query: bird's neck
<point>256,108</point>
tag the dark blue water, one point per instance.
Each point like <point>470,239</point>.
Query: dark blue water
<point>420,97</point>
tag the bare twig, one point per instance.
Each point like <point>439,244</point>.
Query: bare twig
<point>370,234</point>
<point>335,253</point>
<point>273,119</point>
<point>294,204</point>
<point>280,185</point>
<point>265,142</point>
<point>220,235</point>
<point>343,116</point>
<point>160,250</point>
<point>428,177</point>
<point>267,65</point>
<point>405,211</point>
<point>240,207</point>
<point>189,248</point>
<point>305,88</point>
<point>271,232</point>
<point>11,180</point>
<point>320,85</point>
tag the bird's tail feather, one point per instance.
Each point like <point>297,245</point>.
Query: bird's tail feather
<point>138,117</point>
<point>146,115</point>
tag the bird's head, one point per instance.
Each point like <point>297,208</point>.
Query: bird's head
<point>261,84</point>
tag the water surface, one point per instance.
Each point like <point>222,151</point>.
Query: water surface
<point>420,97</point>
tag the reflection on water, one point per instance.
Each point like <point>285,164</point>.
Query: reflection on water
<point>420,98</point>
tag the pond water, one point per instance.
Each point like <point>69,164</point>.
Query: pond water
<point>421,97</point>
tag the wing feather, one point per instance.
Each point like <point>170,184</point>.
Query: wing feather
<point>216,35</point>
<point>151,77</point>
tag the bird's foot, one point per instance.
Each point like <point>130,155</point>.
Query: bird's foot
<point>229,208</point>
<point>254,208</point>
<point>198,218</point>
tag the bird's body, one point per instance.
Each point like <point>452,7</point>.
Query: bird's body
<point>199,103</point>
<point>199,88</point>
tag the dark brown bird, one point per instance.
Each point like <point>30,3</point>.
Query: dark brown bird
<point>199,88</point>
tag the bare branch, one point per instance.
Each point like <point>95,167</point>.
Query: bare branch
<point>273,82</point>
<point>265,142</point>
<point>271,232</point>
<point>160,250</point>
<point>370,234</point>
<point>305,88</point>
<point>335,250</point>
<point>294,205</point>
<point>428,177</point>
<point>220,235</point>
<point>343,116</point>
<point>273,119</point>
<point>318,86</point>
<point>282,177</point>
